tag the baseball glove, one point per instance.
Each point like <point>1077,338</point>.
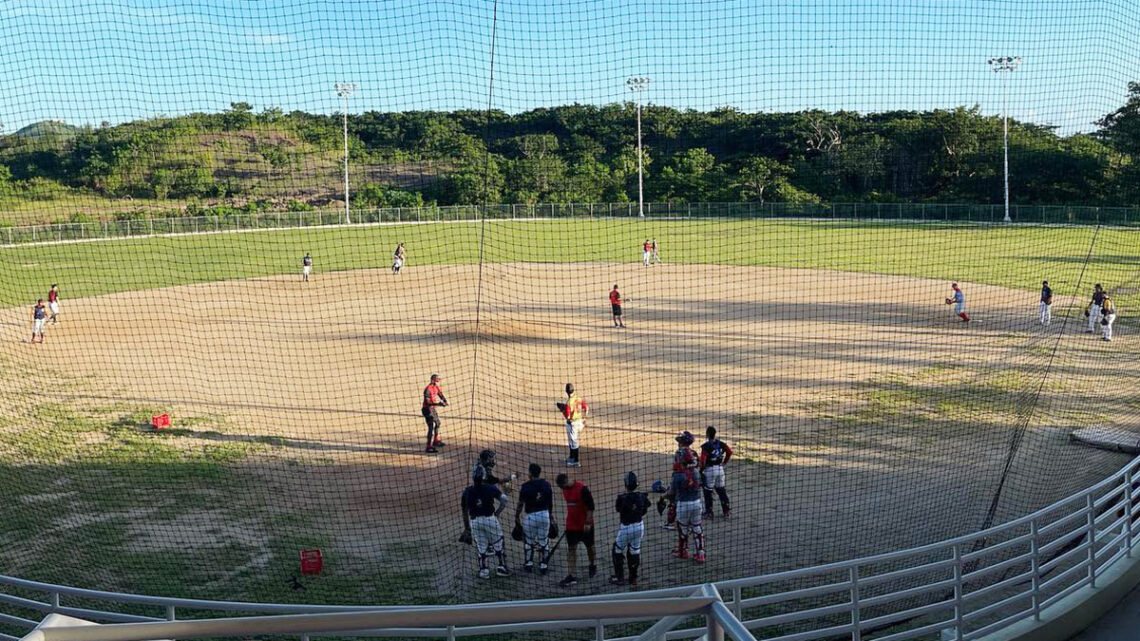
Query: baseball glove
<point>1048,300</point>
<point>561,407</point>
<point>661,503</point>
<point>1104,321</point>
<point>465,538</point>
<point>1086,313</point>
<point>949,301</point>
<point>517,532</point>
<point>553,532</point>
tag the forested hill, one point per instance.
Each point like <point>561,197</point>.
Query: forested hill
<point>574,153</point>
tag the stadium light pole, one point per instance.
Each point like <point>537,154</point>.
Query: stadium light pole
<point>345,91</point>
<point>638,84</point>
<point>1004,66</point>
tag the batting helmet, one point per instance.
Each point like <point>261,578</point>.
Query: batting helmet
<point>487,458</point>
<point>479,474</point>
<point>685,438</point>
<point>659,486</point>
<point>630,481</point>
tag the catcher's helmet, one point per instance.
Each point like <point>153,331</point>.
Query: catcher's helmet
<point>479,474</point>
<point>685,438</point>
<point>688,460</point>
<point>487,458</point>
<point>630,481</point>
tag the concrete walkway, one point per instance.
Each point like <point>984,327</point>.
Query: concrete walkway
<point>1121,623</point>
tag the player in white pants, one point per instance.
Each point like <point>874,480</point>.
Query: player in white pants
<point>306,266</point>
<point>1107,316</point>
<point>536,497</point>
<point>398,257</point>
<point>1045,309</point>
<point>631,507</point>
<point>646,252</point>
<point>481,522</point>
<point>1093,309</point>
<point>574,410</point>
<point>715,454</point>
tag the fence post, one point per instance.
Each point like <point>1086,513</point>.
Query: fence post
<point>1035,568</point>
<point>856,633</point>
<point>1090,517</point>
<point>714,631</point>
<point>599,630</point>
<point>170,613</point>
<point>1128,512</point>
<point>958,622</point>
<point>736,606</point>
<point>55,601</point>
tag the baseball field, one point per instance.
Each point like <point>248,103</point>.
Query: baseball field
<point>865,416</point>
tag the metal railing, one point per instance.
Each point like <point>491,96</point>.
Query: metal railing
<point>963,588</point>
<point>917,212</point>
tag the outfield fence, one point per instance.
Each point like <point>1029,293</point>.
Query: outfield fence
<point>964,588</point>
<point>914,212</point>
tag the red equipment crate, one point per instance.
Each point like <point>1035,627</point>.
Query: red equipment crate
<point>311,562</point>
<point>160,421</point>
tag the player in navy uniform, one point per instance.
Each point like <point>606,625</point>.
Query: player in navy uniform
<point>481,521</point>
<point>1046,306</point>
<point>1092,312</point>
<point>306,267</point>
<point>714,456</point>
<point>39,318</point>
<point>631,507</point>
<point>536,497</point>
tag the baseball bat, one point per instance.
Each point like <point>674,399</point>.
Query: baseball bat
<point>553,548</point>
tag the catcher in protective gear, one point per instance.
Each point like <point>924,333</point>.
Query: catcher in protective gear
<point>631,507</point>
<point>481,522</point>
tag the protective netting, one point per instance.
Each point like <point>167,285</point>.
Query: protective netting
<point>863,411</point>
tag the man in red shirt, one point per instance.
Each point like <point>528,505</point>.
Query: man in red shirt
<point>579,526</point>
<point>53,302</point>
<point>433,398</point>
<point>615,306</point>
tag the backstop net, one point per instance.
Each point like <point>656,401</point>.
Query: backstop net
<point>799,210</point>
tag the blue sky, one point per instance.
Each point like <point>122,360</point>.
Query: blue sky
<point>86,61</point>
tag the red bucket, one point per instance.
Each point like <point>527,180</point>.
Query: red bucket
<point>160,421</point>
<point>311,562</point>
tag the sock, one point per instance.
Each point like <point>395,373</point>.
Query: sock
<point>699,539</point>
<point>723,495</point>
<point>634,562</point>
<point>619,565</point>
<point>482,561</point>
<point>708,500</point>
<point>502,558</point>
<point>574,454</point>
<point>528,556</point>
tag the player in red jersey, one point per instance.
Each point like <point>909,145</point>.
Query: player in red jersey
<point>646,252</point>
<point>433,398</point>
<point>53,302</point>
<point>579,526</point>
<point>615,306</point>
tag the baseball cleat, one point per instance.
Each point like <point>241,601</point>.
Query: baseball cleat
<point>707,515</point>
<point>593,571</point>
<point>543,569</point>
<point>1105,338</point>
<point>681,554</point>
<point>528,567</point>
<point>431,450</point>
<point>699,557</point>
<point>502,571</point>
<point>617,580</point>
<point>1088,331</point>
<point>484,573</point>
<point>568,581</point>
<point>438,444</point>
<point>727,512</point>
<point>573,464</point>
<point>633,583</point>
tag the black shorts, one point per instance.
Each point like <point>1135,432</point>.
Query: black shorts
<point>574,537</point>
<point>617,309</point>
<point>430,417</point>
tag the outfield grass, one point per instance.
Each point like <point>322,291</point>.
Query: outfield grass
<point>1012,256</point>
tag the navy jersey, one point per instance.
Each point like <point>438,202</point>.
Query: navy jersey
<point>479,500</point>
<point>40,312</point>
<point>714,452</point>
<point>631,507</point>
<point>536,495</point>
<point>1098,297</point>
<point>307,262</point>
<point>685,486</point>
<point>1046,294</point>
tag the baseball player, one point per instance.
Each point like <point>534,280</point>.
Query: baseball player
<point>579,526</point>
<point>536,497</point>
<point>306,267</point>
<point>646,252</point>
<point>653,247</point>
<point>1107,316</point>
<point>685,491</point>
<point>1046,307</point>
<point>667,505</point>
<point>575,410</point>
<point>433,398</point>
<point>39,318</point>
<point>958,299</point>
<point>53,302</point>
<point>481,521</point>
<point>615,307</point>
<point>1092,311</point>
<point>398,257</point>
<point>631,507</point>
<point>714,456</point>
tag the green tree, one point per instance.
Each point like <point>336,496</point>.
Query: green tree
<point>758,175</point>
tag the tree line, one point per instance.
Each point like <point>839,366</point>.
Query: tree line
<point>579,153</point>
